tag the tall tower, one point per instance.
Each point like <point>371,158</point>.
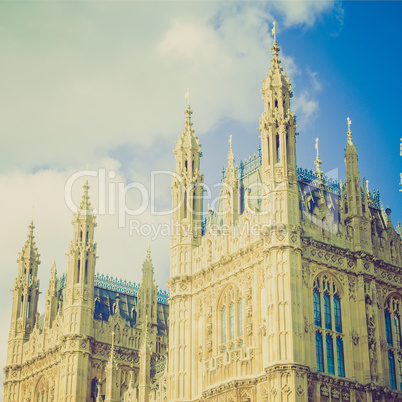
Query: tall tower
<point>277,125</point>
<point>187,190</point>
<point>79,302</point>
<point>187,185</point>
<point>24,309</point>
<point>281,209</point>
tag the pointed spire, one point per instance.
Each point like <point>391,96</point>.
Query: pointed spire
<point>317,163</point>
<point>85,206</point>
<point>350,142</point>
<point>147,265</point>
<point>276,61</point>
<point>230,176</point>
<point>149,250</point>
<point>29,250</point>
<point>53,271</point>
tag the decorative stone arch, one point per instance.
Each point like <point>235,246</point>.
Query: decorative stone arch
<point>42,389</point>
<point>331,279</point>
<point>229,318</point>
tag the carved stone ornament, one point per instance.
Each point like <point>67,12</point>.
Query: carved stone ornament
<point>335,394</point>
<point>355,337</point>
<point>324,390</point>
<point>300,390</point>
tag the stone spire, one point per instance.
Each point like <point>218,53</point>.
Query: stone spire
<point>85,206</point>
<point>277,124</point>
<point>51,298</point>
<point>231,170</point>
<point>353,189</point>
<point>229,193</point>
<point>187,183</point>
<point>79,295</point>
<point>26,288</point>
<point>147,292</point>
<point>318,172</point>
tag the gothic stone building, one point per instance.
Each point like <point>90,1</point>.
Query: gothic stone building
<point>290,291</point>
<point>89,344</point>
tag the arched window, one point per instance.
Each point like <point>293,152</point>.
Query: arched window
<point>319,351</point>
<point>337,314</point>
<point>223,324</point>
<point>231,319</point>
<point>388,328</point>
<point>330,354</point>
<point>340,357</point>
<point>326,294</point>
<point>317,308</point>
<point>392,314</point>
<point>327,311</point>
<point>397,327</point>
<point>392,375</point>
<point>240,318</point>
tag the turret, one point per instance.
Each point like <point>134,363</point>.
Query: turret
<point>277,124</point>
<point>81,270</point>
<point>187,184</point>
<point>25,298</point>
<point>230,191</point>
<point>353,190</point>
<point>147,293</point>
<point>51,298</point>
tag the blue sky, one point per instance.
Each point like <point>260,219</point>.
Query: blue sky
<point>103,83</point>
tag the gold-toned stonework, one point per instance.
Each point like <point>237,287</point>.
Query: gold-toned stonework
<point>290,291</point>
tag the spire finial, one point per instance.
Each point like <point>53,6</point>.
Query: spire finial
<point>349,132</point>
<point>187,96</point>
<point>318,162</point>
<point>274,31</point>
<point>149,249</point>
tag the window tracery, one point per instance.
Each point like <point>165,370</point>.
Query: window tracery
<point>230,319</point>
<point>392,316</point>
<point>328,326</point>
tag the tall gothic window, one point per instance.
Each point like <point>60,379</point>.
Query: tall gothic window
<point>223,321</point>
<point>340,357</point>
<point>319,351</point>
<point>231,320</point>
<point>330,354</point>
<point>392,314</point>
<point>326,294</point>
<point>317,308</point>
<point>327,311</point>
<point>391,363</point>
<point>388,328</point>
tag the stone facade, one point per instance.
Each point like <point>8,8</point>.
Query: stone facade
<point>87,344</point>
<point>290,291</point>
